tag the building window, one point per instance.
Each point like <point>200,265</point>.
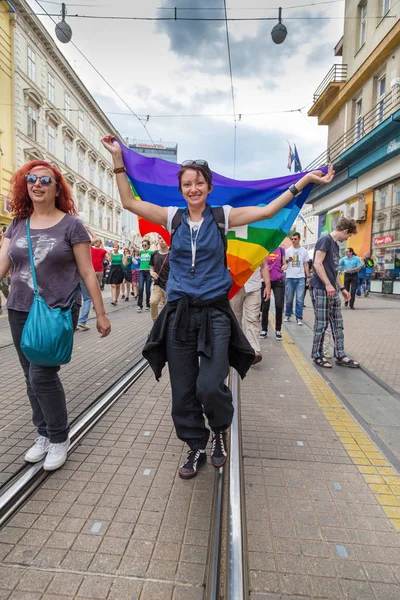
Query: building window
<point>67,151</point>
<point>396,222</point>
<point>397,195</point>
<point>362,16</point>
<point>101,179</point>
<point>109,219</point>
<point>101,214</point>
<point>67,105</point>
<point>381,88</point>
<point>382,198</point>
<point>109,185</point>
<point>359,119</point>
<point>32,119</point>
<point>81,122</point>
<point>50,87</point>
<point>91,171</point>
<point>91,212</point>
<point>51,139</point>
<point>81,162</point>
<point>385,7</point>
<point>381,226</point>
<point>91,134</point>
<point>81,201</point>
<point>31,64</point>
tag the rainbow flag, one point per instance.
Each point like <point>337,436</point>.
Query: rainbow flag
<point>155,180</point>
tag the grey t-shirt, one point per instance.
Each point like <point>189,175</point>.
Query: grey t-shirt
<point>56,271</point>
<point>331,261</point>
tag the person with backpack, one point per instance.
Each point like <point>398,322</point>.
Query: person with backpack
<point>159,271</point>
<point>272,269</point>
<point>197,332</point>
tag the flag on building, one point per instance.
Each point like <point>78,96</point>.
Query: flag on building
<point>297,163</point>
<point>155,180</point>
<point>290,157</point>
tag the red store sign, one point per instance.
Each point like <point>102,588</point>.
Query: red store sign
<point>385,239</point>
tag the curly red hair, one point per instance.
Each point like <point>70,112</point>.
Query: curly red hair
<point>20,203</point>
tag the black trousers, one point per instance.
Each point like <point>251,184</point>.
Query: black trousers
<point>45,391</point>
<point>198,384</point>
<point>278,288</point>
<point>350,283</point>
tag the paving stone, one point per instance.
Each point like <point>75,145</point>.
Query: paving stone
<point>65,584</point>
<point>95,587</point>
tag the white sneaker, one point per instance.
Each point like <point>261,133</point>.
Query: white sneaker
<point>56,455</point>
<point>83,326</point>
<point>286,319</point>
<point>299,321</point>
<point>39,450</point>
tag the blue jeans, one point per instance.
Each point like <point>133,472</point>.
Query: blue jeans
<point>144,281</point>
<point>86,305</point>
<point>295,285</point>
<point>367,282</point>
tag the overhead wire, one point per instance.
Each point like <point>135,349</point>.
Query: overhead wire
<point>202,19</point>
<point>107,83</point>
<point>232,91</point>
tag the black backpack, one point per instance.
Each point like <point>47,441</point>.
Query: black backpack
<point>219,218</point>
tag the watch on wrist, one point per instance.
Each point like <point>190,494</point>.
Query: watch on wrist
<point>293,189</point>
<point>120,170</point>
<point>342,288</point>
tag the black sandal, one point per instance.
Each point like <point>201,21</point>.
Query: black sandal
<point>322,362</point>
<point>347,363</point>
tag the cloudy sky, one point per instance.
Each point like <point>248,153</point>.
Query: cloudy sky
<point>168,69</point>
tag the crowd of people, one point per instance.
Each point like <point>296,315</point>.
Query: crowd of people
<point>198,332</point>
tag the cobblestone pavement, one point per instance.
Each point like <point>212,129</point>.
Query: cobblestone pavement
<point>372,335</point>
<point>322,502</point>
<point>96,364</point>
<point>115,522</point>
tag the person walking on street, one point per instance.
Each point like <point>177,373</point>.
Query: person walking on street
<point>196,332</point>
<point>135,266</point>
<point>325,285</point>
<point>296,273</point>
<point>61,254</point>
<point>98,256</point>
<point>127,269</point>
<point>369,265</point>
<point>116,273</point>
<point>246,306</point>
<point>272,270</point>
<point>351,264</point>
<point>159,271</point>
<point>144,275</point>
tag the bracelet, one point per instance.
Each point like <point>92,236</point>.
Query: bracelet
<point>120,170</point>
<point>342,288</point>
<point>294,190</point>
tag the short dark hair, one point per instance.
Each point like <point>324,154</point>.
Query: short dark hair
<point>350,250</point>
<point>205,171</point>
<point>296,233</point>
<point>348,224</point>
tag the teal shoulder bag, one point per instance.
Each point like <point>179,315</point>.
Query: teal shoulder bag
<point>47,336</point>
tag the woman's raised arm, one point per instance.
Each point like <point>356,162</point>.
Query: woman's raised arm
<point>147,210</point>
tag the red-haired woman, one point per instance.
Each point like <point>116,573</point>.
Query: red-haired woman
<point>61,250</point>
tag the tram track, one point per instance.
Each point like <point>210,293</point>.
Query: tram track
<point>226,575</point>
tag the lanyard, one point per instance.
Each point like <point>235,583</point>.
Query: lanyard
<point>194,234</point>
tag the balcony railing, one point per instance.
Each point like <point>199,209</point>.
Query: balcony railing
<point>381,111</point>
<point>337,74</point>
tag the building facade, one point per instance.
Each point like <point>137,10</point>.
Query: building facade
<point>307,224</point>
<point>359,101</point>
<point>57,119</point>
<point>7,21</point>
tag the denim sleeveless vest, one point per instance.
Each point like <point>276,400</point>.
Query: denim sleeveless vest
<point>211,278</point>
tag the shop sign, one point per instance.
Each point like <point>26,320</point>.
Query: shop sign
<point>384,239</point>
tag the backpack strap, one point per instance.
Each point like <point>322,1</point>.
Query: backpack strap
<point>176,221</point>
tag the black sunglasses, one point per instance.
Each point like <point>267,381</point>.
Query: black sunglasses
<point>200,162</point>
<point>44,179</point>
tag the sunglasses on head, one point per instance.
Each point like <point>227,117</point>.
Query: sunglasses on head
<point>44,179</point>
<point>200,162</point>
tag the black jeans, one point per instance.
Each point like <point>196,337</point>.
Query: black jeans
<point>144,281</point>
<point>278,287</point>
<point>198,384</point>
<point>45,391</point>
<point>350,283</point>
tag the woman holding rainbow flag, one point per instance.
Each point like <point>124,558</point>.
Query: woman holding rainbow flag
<point>196,332</point>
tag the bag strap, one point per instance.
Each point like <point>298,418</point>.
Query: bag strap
<point>28,237</point>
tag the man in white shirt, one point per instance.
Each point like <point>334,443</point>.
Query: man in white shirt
<point>247,303</point>
<point>296,273</point>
